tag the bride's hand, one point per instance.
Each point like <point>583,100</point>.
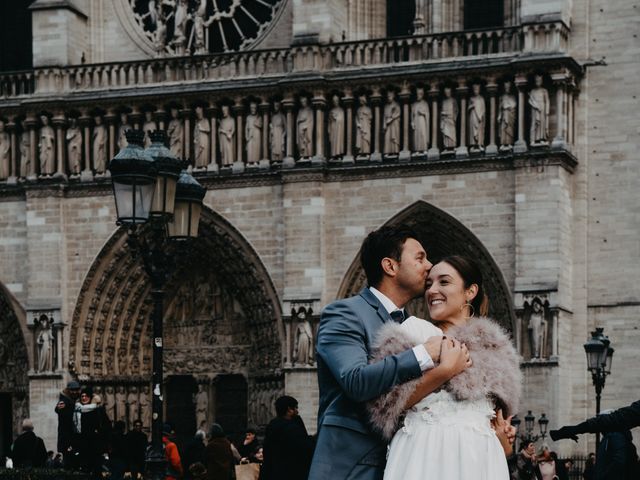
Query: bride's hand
<point>454,357</point>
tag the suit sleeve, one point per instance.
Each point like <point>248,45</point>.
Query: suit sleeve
<point>342,346</point>
<point>622,419</point>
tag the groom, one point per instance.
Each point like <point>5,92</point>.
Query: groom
<point>396,267</point>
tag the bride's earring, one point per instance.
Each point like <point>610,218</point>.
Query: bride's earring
<point>473,312</point>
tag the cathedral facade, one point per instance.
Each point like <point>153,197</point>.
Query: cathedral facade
<point>502,130</point>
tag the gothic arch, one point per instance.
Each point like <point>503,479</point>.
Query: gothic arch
<point>442,235</point>
<point>222,313</point>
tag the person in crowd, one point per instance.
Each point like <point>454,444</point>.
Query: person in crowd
<point>193,453</point>
<point>589,467</point>
<point>561,468</point>
<point>92,431</point>
<point>174,464</point>
<point>616,421</point>
<point>118,456</point>
<point>546,465</point>
<point>218,457</point>
<point>526,461</point>
<point>249,446</point>
<point>28,449</point>
<point>259,455</point>
<point>64,409</point>
<point>136,442</point>
<point>288,448</point>
<point>617,457</point>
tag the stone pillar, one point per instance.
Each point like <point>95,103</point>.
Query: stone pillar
<point>434,94</point>
<point>185,113</point>
<point>348,100</point>
<point>560,141</point>
<point>110,119</point>
<point>570,113</point>
<point>263,108</point>
<point>405,96</point>
<point>319,103</point>
<point>212,114</point>
<point>376,101</point>
<point>84,121</point>
<point>238,109</point>
<point>492,90</point>
<point>462,150</point>
<point>58,121</point>
<point>521,83</point>
<point>31,123</point>
<point>13,163</point>
<point>287,105</point>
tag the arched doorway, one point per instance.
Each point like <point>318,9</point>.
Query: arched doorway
<point>221,317</point>
<point>14,364</point>
<point>442,235</point>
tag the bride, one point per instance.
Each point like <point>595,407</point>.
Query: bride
<point>459,431</point>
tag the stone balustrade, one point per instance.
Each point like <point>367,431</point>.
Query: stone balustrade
<point>538,37</point>
<point>426,119</point>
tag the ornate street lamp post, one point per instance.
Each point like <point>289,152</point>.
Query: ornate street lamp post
<point>599,359</point>
<point>151,188</point>
<point>529,423</point>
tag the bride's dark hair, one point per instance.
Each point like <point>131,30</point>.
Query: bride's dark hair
<point>470,273</point>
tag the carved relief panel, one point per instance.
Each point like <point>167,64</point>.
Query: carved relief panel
<point>301,326</point>
<point>538,327</point>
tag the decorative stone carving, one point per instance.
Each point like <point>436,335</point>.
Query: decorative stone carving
<point>391,125</point>
<point>144,402</point>
<point>122,129</point>
<point>74,147</point>
<point>539,122</point>
<point>303,339</point>
<point>448,118</point>
<point>99,144</point>
<point>25,151</point>
<point>120,404</point>
<point>202,405</point>
<point>363,126</point>
<point>46,148</point>
<point>5,149</point>
<point>420,122</point>
<point>181,15</point>
<point>507,117</point>
<point>538,325</point>
<point>132,406</point>
<point>45,344</point>
<point>336,128</point>
<point>305,125</point>
<point>477,118</point>
<point>227,133</point>
<point>175,133</point>
<point>253,134</point>
<point>149,126</point>
<point>277,133</point>
<point>201,132</point>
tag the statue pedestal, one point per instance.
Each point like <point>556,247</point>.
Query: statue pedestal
<point>491,149</point>
<point>318,161</point>
<point>288,162</point>
<point>12,180</point>
<point>86,176</point>
<point>237,167</point>
<point>433,154</point>
<point>264,164</point>
<point>213,168</point>
<point>558,144</point>
<point>376,157</point>
<point>348,160</point>
<point>520,147</point>
<point>462,152</point>
<point>404,156</point>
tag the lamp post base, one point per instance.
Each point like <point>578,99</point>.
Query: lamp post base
<point>156,464</point>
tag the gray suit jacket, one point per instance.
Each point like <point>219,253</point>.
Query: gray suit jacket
<point>346,447</point>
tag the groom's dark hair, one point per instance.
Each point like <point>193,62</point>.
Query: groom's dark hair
<point>386,241</point>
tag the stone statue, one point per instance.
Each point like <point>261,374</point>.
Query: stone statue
<point>74,147</point>
<point>109,402</point>
<point>277,133</point>
<point>537,329</point>
<point>539,102</point>
<point>202,405</point>
<point>180,15</point>
<point>199,24</point>
<point>25,151</point>
<point>253,134</point>
<point>303,346</point>
<point>145,406</point>
<point>47,147</point>
<point>336,128</point>
<point>227,135</point>
<point>391,124</point>
<point>448,118</point>
<point>304,128</point>
<point>124,127</point>
<point>148,127</point>
<point>477,118</point>
<point>201,132</point>
<point>5,148</point>
<point>175,134</point>
<point>120,404</point>
<point>160,33</point>
<point>44,343</point>
<point>363,126</point>
<point>507,117</point>
<point>132,404</point>
<point>420,122</point>
<point>99,145</point>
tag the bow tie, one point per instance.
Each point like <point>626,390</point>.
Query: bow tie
<point>397,316</point>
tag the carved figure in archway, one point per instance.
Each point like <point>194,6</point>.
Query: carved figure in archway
<point>47,147</point>
<point>420,122</point>
<point>122,129</point>
<point>304,124</point>
<point>44,341</point>
<point>303,346</point>
<point>253,134</point>
<point>148,127</point>
<point>539,102</point>
<point>363,126</point>
<point>202,405</point>
<point>99,145</point>
<point>277,133</point>
<point>5,148</point>
<point>336,128</point>
<point>180,15</point>
<point>132,404</point>
<point>507,116</point>
<point>391,124</point>
<point>537,329</point>
<point>448,118</point>
<point>25,151</point>
<point>201,132</point>
<point>175,133</point>
<point>110,402</point>
<point>74,147</point>
<point>145,406</point>
<point>477,117</point>
<point>199,24</point>
<point>120,407</point>
<point>227,135</point>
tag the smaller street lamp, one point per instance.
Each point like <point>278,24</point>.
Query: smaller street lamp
<point>529,424</point>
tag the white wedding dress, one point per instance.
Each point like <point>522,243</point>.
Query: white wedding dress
<point>442,438</point>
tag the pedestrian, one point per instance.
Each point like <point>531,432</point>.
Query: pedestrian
<point>589,467</point>
<point>92,430</point>
<point>249,446</point>
<point>617,458</point>
<point>288,448</point>
<point>526,461</point>
<point>118,457</point>
<point>561,467</point>
<point>174,465</point>
<point>546,465</point>
<point>193,453</point>
<point>28,449</point>
<point>64,409</point>
<point>218,458</point>
<point>136,441</point>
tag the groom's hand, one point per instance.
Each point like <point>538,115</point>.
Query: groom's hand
<point>434,347</point>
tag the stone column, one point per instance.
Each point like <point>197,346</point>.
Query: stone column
<point>238,109</point>
<point>58,121</point>
<point>462,150</point>
<point>319,103</point>
<point>110,119</point>
<point>559,80</point>
<point>570,113</point>
<point>492,90</point>
<point>13,164</point>
<point>405,96</point>
<point>212,113</point>
<point>287,105</point>
<point>263,108</point>
<point>84,121</point>
<point>347,100</point>
<point>31,123</point>
<point>376,101</point>
<point>434,94</point>
<point>521,84</point>
<point>185,113</point>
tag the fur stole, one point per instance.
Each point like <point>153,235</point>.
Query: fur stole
<point>495,371</point>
